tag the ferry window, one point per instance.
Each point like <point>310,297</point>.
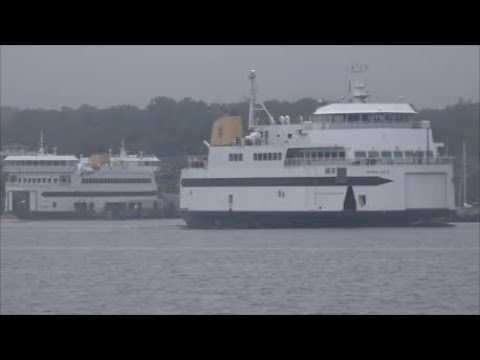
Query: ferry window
<point>54,204</point>
<point>34,163</point>
<point>270,156</point>
<point>41,163</point>
<point>289,136</point>
<point>390,117</point>
<point>334,155</point>
<point>341,154</point>
<point>419,153</point>
<point>235,157</point>
<point>55,180</point>
<point>353,117</point>
<point>29,180</point>
<point>255,157</point>
<point>365,118</point>
<point>327,155</point>
<point>240,157</point>
<point>230,157</point>
<point>399,117</point>
<point>20,180</point>
<point>360,154</point>
<point>49,180</point>
<point>44,180</point>
<point>362,200</point>
<point>279,156</point>
<point>373,154</point>
<point>397,154</point>
<point>386,154</point>
<point>408,153</point>
<point>274,156</point>
<point>314,155</point>
<point>29,162</point>
<point>333,170</point>
<point>338,118</point>
<point>379,118</point>
<point>320,154</point>
<point>264,156</point>
<point>56,163</point>
<point>62,163</point>
<point>13,178</point>
<point>327,170</point>
<point>34,180</point>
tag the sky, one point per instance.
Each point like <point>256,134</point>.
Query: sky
<point>54,76</point>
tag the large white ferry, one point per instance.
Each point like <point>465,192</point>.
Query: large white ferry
<point>353,163</point>
<point>47,185</point>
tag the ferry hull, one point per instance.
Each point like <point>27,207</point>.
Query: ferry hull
<point>214,219</point>
<point>71,215</point>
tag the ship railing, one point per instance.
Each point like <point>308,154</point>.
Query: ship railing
<point>197,162</point>
<point>262,141</point>
<point>369,161</point>
<point>362,125</point>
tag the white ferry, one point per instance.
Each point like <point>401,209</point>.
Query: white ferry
<point>55,186</point>
<point>352,163</point>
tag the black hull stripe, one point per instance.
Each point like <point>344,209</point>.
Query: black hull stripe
<point>287,181</point>
<point>97,193</point>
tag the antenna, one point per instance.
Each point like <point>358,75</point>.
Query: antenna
<point>255,103</point>
<point>357,87</point>
<point>464,174</point>
<point>42,149</point>
<point>123,152</point>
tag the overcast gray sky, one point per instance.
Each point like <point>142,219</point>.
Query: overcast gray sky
<point>103,76</point>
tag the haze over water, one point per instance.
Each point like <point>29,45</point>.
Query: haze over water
<point>160,267</point>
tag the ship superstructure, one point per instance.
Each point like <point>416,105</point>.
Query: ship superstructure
<point>105,185</point>
<point>351,163</point>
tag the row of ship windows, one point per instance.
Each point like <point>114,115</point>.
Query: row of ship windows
<point>256,157</point>
<point>267,156</point>
<point>40,162</point>
<point>364,117</point>
<point>117,181</point>
<point>29,180</point>
<point>318,154</point>
<point>389,154</point>
<point>149,163</point>
<point>235,157</point>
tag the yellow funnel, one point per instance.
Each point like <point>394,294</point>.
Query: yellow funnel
<point>225,130</point>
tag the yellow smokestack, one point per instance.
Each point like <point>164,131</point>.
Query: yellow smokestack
<point>225,130</point>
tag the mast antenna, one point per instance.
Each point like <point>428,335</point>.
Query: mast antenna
<point>42,149</point>
<point>256,104</point>
<point>356,85</point>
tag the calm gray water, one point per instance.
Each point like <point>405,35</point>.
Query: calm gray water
<point>159,267</point>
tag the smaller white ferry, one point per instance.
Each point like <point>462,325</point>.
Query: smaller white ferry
<point>47,185</point>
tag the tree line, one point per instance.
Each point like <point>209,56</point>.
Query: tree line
<point>170,128</point>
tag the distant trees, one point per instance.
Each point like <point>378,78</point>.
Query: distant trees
<point>171,128</point>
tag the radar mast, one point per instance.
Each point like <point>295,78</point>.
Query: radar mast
<point>356,83</point>
<point>256,104</point>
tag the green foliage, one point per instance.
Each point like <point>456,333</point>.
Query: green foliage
<point>169,128</point>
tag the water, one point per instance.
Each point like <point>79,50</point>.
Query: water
<point>160,267</point>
